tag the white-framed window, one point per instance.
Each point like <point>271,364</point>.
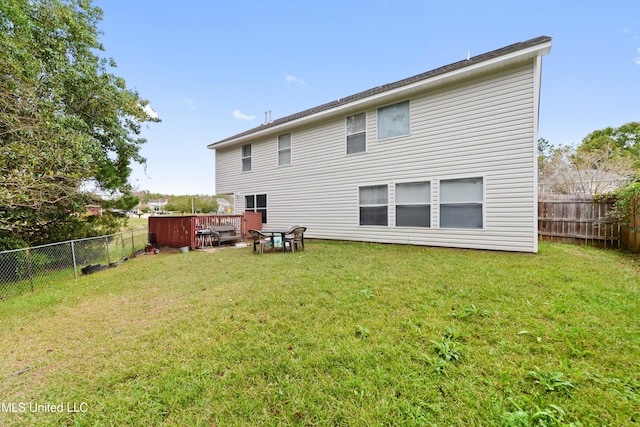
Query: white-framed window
<point>461,203</point>
<point>413,204</point>
<point>373,204</point>
<point>356,133</point>
<point>256,203</point>
<point>393,120</point>
<point>246,157</point>
<point>284,149</point>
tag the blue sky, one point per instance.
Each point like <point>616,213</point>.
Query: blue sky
<point>211,68</point>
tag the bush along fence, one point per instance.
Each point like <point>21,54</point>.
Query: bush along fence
<point>25,270</point>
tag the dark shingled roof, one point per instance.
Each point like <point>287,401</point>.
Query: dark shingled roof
<point>400,83</point>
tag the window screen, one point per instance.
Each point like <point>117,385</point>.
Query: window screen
<point>461,203</point>
<point>393,120</point>
<point>246,157</point>
<point>413,204</point>
<point>284,149</point>
<point>356,134</point>
<point>373,205</point>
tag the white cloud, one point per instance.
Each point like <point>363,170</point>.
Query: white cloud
<point>295,80</point>
<point>637,58</point>
<point>150,111</point>
<point>238,115</point>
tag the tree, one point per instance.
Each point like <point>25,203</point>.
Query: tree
<point>64,119</point>
<point>623,141</point>
<point>180,204</point>
<point>565,170</point>
<point>207,204</point>
<point>588,174</point>
<point>626,205</point>
<point>545,149</point>
<point>123,203</point>
<point>199,204</point>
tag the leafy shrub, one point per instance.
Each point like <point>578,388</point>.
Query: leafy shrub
<point>626,204</point>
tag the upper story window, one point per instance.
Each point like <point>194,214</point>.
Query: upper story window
<point>461,203</point>
<point>356,133</point>
<point>393,120</point>
<point>373,202</point>
<point>246,157</point>
<point>413,204</point>
<point>284,149</point>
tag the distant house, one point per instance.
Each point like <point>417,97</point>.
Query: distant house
<point>583,182</point>
<point>93,210</point>
<point>224,205</point>
<point>443,158</point>
<point>157,205</point>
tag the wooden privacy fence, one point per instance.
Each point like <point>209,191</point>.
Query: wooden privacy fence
<point>571,219</point>
<point>180,231</point>
<point>630,237</point>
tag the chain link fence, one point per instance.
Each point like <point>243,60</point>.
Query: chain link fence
<point>25,270</point>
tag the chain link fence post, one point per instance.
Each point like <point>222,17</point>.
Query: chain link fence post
<point>73,256</point>
<point>123,245</point>
<point>30,268</point>
<point>106,243</point>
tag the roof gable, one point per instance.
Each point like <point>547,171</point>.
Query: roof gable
<point>536,43</point>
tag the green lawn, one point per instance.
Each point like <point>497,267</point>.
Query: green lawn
<point>134,223</point>
<point>341,334</point>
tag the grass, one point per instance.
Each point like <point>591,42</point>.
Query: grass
<point>134,223</point>
<point>340,334</point>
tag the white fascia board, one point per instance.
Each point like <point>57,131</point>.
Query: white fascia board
<point>380,98</point>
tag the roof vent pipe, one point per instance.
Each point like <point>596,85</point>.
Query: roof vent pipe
<point>468,55</point>
<point>270,120</point>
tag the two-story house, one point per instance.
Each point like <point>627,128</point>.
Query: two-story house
<point>444,158</point>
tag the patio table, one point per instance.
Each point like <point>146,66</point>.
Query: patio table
<point>273,232</point>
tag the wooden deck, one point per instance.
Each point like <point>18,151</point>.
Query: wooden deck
<point>180,231</point>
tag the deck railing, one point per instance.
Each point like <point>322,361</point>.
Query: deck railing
<point>180,231</point>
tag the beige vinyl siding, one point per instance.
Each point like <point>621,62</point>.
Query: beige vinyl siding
<point>483,127</point>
